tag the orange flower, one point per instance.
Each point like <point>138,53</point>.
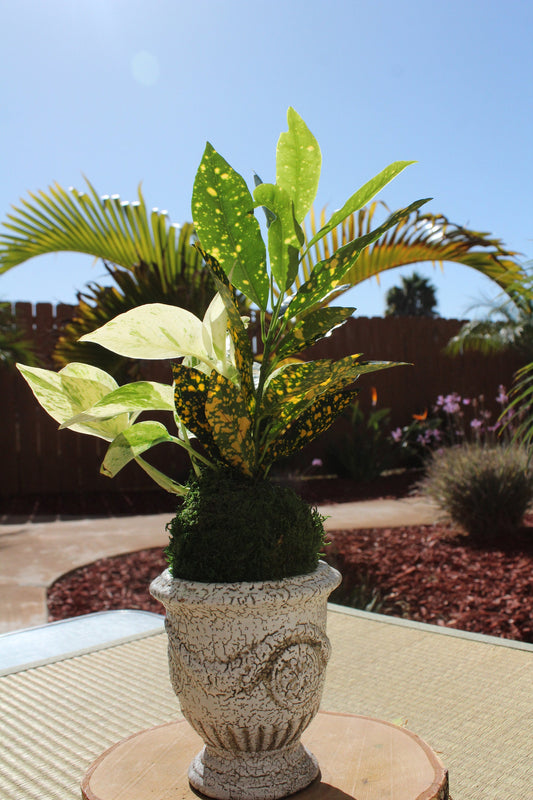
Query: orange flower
<point>421,417</point>
<point>374,396</point>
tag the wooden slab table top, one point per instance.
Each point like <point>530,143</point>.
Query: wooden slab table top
<point>360,758</point>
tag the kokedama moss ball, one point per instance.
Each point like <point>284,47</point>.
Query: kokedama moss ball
<point>231,528</point>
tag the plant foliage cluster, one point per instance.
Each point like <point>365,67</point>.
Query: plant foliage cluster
<point>232,412</point>
<point>362,448</point>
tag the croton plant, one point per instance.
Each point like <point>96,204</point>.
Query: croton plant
<point>235,413</point>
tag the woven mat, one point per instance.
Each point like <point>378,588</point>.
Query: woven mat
<point>471,701</point>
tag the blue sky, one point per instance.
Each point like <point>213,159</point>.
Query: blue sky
<point>124,91</point>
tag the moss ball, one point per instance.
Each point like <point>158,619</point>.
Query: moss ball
<point>232,528</point>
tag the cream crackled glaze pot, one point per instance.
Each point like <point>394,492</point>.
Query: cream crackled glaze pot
<point>247,661</point>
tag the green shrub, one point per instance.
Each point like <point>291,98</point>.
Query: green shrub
<point>230,528</point>
<point>486,489</point>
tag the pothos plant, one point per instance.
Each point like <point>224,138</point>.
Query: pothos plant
<point>235,414</point>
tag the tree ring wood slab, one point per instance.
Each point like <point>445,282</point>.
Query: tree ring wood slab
<point>360,758</point>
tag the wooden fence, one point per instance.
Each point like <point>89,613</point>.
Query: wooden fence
<point>37,458</point>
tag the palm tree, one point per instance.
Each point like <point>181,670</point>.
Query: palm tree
<point>416,297</point>
<point>148,258</point>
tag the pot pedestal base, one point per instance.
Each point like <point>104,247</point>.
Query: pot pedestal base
<point>358,757</point>
<point>249,777</point>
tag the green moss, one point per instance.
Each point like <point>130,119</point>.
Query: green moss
<point>231,528</point>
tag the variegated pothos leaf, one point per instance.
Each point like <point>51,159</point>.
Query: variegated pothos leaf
<point>131,443</point>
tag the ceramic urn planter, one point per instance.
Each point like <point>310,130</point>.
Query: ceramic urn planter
<point>247,661</point>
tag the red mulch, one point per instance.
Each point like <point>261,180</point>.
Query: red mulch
<point>433,574</point>
<point>426,573</point>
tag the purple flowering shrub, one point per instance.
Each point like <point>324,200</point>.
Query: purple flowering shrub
<point>454,420</point>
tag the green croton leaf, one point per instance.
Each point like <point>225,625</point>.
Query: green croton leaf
<point>361,197</point>
<point>309,329</point>
<point>302,380</point>
<point>222,209</point>
<point>298,163</point>
<point>131,443</point>
<point>305,380</point>
<point>328,273</point>
<point>285,236</point>
<point>190,397</point>
<point>216,270</point>
<point>314,421</point>
<point>227,414</point>
<point>295,387</point>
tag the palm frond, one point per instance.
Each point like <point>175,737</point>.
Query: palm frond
<point>419,237</point>
<point>117,231</point>
<point>148,259</point>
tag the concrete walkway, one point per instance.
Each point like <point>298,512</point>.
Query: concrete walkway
<point>34,554</point>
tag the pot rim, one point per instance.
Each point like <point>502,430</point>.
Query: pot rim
<point>167,589</point>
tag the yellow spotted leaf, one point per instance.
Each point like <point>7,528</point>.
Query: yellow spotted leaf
<point>294,388</point>
<point>190,396</point>
<point>311,328</point>
<point>328,274</point>
<point>230,422</point>
<point>222,209</point>
<point>314,421</point>
<point>239,335</point>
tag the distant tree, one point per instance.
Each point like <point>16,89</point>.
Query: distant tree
<point>416,297</point>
